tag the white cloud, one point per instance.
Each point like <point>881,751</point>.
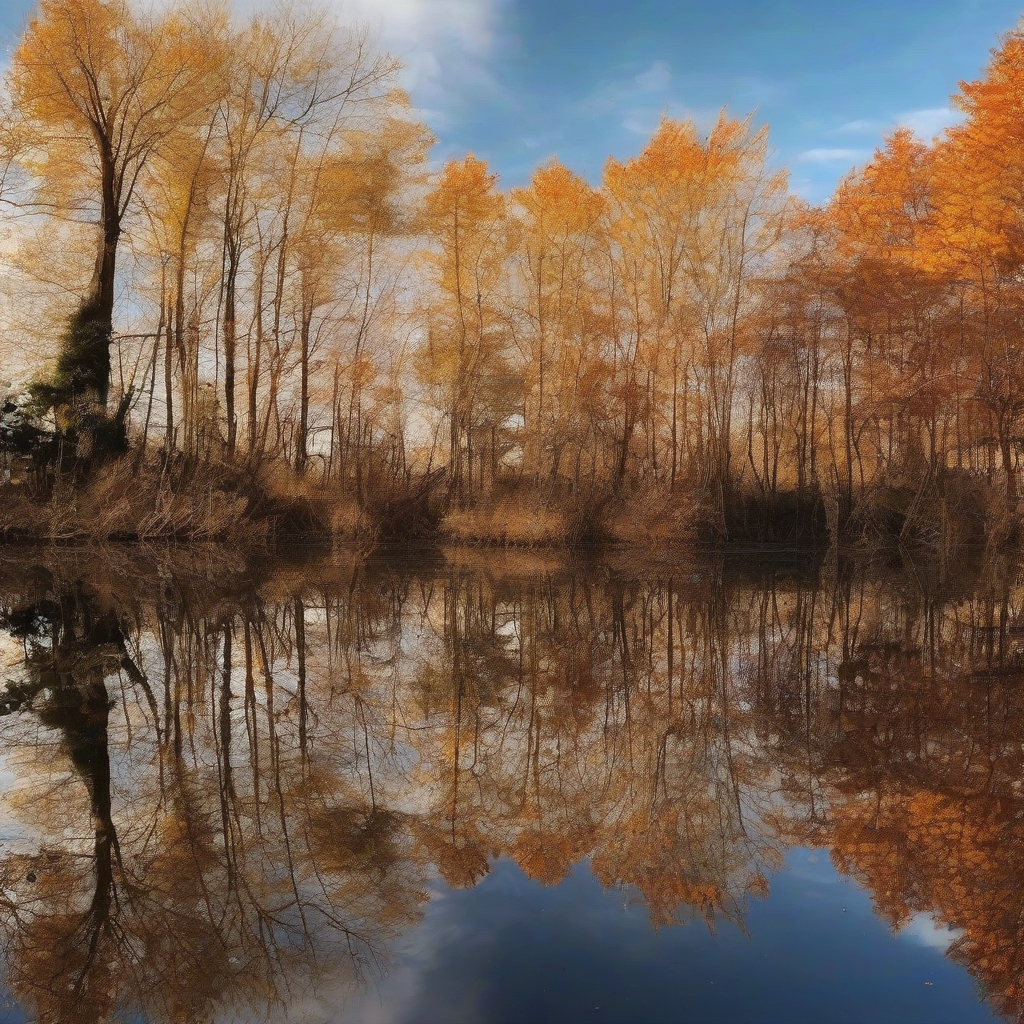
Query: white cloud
<point>924,930</point>
<point>637,102</point>
<point>827,155</point>
<point>445,45</point>
<point>806,189</point>
<point>928,123</point>
<point>861,126</point>
<point>656,78</point>
<point>640,122</point>
<point>435,38</point>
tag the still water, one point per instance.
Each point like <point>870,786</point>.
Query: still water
<point>501,789</point>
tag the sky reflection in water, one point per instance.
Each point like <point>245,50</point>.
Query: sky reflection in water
<point>512,950</point>
<point>505,790</point>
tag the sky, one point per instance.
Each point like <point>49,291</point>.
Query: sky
<point>518,82</point>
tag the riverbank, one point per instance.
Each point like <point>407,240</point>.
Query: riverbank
<point>269,505</point>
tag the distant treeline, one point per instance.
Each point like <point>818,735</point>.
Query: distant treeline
<point>279,280</point>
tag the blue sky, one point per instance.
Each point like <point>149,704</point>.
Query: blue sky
<point>519,81</point>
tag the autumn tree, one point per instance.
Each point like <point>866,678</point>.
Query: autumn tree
<point>979,242</point>
<point>101,88</point>
<point>178,196</point>
<point>892,353</point>
<point>301,82</point>
<point>464,361</point>
<point>352,210</point>
<point>560,221</point>
<point>790,362</point>
<point>693,218</point>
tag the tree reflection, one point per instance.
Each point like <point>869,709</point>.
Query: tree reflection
<point>208,886</point>
<point>233,792</point>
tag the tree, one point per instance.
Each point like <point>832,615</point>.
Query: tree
<point>101,88</point>
<point>464,360</point>
<point>301,84</point>
<point>560,221</point>
<point>351,209</point>
<point>979,240</point>
<point>692,220</point>
<point>894,359</point>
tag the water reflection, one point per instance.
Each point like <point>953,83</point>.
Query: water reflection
<point>232,788</point>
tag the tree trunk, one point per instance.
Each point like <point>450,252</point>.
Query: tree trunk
<point>302,445</point>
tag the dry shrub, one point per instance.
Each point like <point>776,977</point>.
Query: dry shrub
<point>951,513</point>
<point>200,515</point>
<point>348,521</point>
<point>20,517</point>
<point>276,479</point>
<point>513,520</point>
<point>654,517</point>
<point>118,503</point>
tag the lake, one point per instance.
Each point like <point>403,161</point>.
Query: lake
<point>436,786</point>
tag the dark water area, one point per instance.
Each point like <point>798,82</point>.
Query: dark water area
<point>506,788</point>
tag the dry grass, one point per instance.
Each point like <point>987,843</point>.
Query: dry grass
<point>524,519</point>
<point>348,521</point>
<point>120,505</point>
<point>654,518</point>
<point>212,502</point>
<point>515,521</point>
